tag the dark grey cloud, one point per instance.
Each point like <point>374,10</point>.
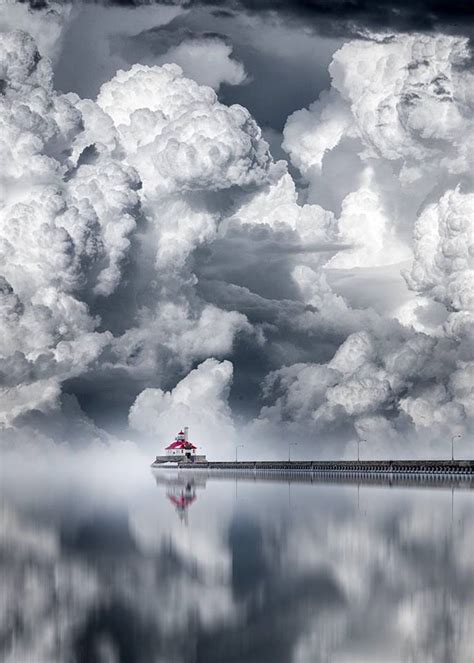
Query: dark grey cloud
<point>288,76</point>
<point>158,40</point>
<point>282,63</point>
<point>250,269</point>
<point>342,17</point>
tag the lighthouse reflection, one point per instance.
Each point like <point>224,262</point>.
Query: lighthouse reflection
<point>182,498</point>
<point>180,490</point>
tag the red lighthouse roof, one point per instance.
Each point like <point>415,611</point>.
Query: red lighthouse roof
<point>181,444</point>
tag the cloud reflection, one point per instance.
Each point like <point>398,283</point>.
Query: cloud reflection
<point>261,571</point>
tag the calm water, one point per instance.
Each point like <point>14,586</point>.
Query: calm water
<point>206,570</point>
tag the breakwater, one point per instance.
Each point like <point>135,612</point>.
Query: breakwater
<point>463,467</point>
<point>420,473</point>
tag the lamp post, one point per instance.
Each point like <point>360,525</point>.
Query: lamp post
<point>458,435</point>
<point>237,450</point>
<point>292,444</point>
<point>358,448</point>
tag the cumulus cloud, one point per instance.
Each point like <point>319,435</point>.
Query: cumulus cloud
<point>365,224</point>
<point>80,224</point>
<point>151,230</point>
<point>311,132</point>
<point>207,61</point>
<point>199,401</point>
<point>405,112</point>
<point>179,136</point>
<point>443,267</point>
<point>365,385</point>
<point>403,97</point>
<point>46,25</point>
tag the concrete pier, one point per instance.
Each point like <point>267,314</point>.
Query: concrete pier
<point>365,466</point>
<point>386,467</point>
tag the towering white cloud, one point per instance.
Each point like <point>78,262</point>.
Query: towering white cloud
<point>80,224</point>
<point>443,266</point>
<point>151,230</point>
<point>402,106</point>
<point>366,226</point>
<point>45,24</point>
<point>310,133</point>
<point>179,136</point>
<point>199,400</point>
<point>398,95</point>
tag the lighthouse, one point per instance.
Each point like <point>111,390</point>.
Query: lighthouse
<point>181,447</point>
<point>181,450</point>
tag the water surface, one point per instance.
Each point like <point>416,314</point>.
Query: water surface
<point>186,568</point>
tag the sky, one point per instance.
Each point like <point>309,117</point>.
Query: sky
<point>251,218</point>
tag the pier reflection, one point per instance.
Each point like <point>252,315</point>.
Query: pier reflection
<point>340,572</point>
